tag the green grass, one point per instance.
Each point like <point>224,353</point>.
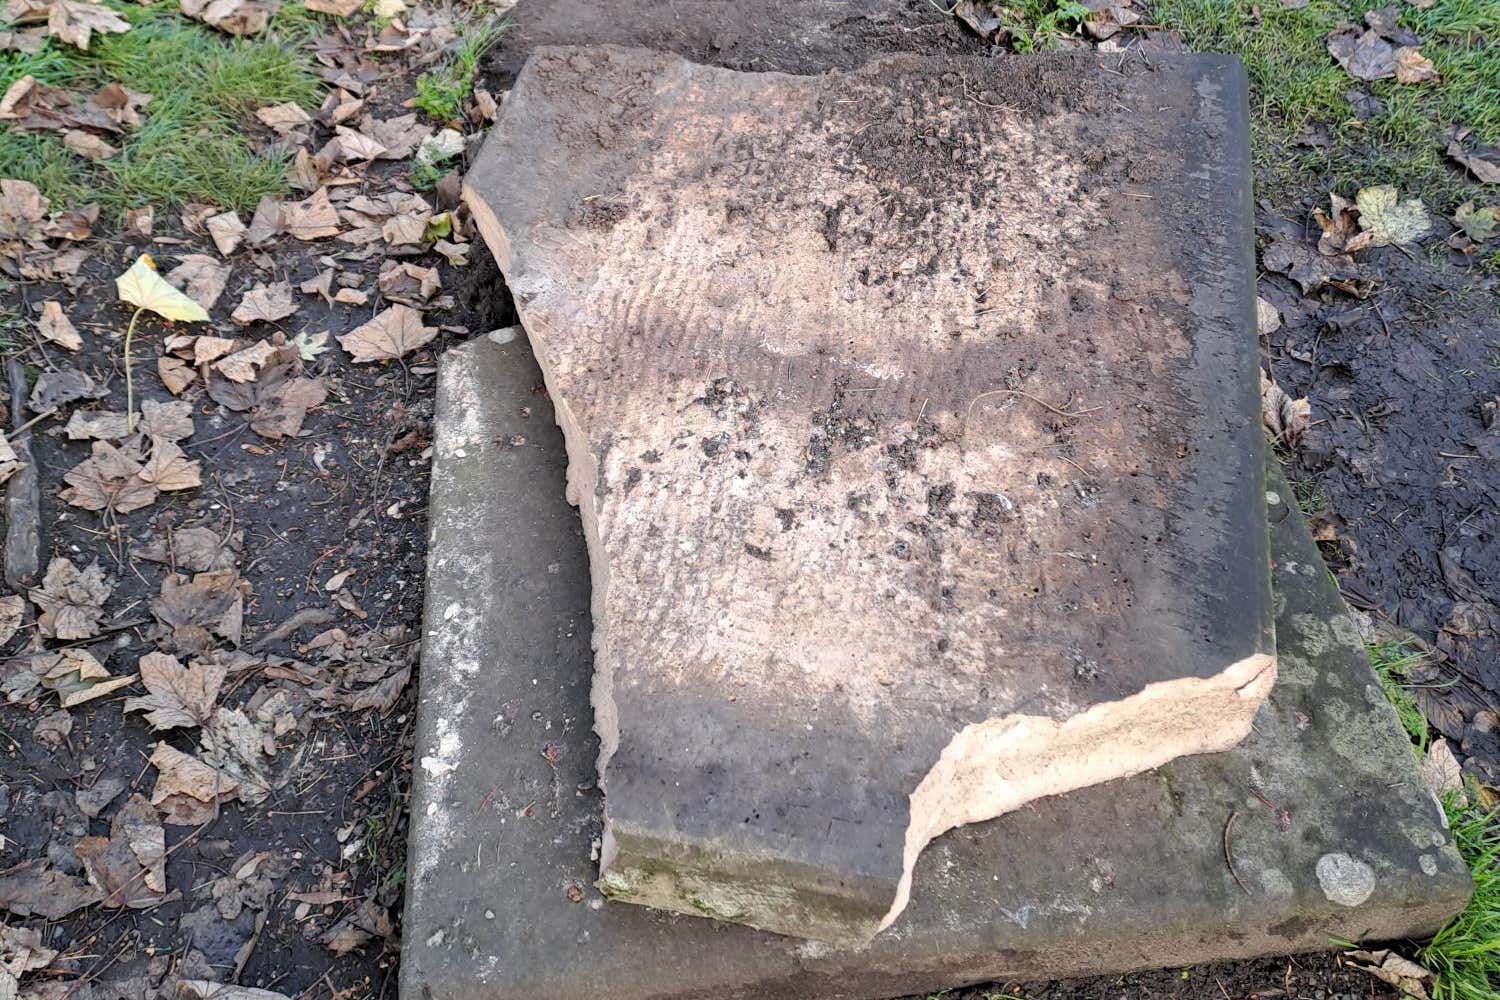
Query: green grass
<point>1393,662</point>
<point>1295,82</point>
<point>441,91</point>
<point>192,145</point>
<point>1465,955</point>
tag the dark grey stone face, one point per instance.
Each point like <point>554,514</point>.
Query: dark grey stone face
<point>1331,833</point>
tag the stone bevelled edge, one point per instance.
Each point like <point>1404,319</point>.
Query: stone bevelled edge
<point>952,934</point>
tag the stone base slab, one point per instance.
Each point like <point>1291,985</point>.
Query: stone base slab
<point>1316,827</point>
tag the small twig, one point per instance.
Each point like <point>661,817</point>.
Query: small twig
<point>1228,860</point>
<point>30,423</point>
<point>1037,400</point>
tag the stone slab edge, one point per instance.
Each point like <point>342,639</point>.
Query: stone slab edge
<point>1332,833</point>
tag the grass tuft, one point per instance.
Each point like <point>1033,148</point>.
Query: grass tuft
<point>1295,82</point>
<point>441,91</point>
<point>1393,663</point>
<point>192,146</point>
<point>1465,955</point>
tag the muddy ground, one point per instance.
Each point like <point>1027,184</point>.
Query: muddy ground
<point>1399,469</point>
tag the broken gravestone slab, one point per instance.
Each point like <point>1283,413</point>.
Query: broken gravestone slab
<point>912,420</point>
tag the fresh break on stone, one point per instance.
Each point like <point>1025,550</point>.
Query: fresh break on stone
<point>912,419</point>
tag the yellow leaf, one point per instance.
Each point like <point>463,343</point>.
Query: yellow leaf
<point>142,287</point>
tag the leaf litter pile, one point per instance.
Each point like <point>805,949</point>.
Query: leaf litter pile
<point>215,487</point>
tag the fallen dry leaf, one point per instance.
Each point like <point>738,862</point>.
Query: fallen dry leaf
<point>226,230</point>
<point>1405,975</point>
<point>1389,220</point>
<point>71,601</point>
<point>233,17</point>
<point>356,146</point>
<point>338,8</point>
<point>197,550</point>
<point>1285,418</point>
<point>207,349</point>
<point>57,388</point>
<point>88,145</point>
<point>1483,162</point>
<point>200,277</point>
<point>130,865</point>
<point>265,304</point>
<point>100,425</point>
<point>174,374</point>
<point>278,401</point>
<point>1340,226</point>
<point>367,921</point>
<point>197,610</point>
<point>1441,771</point>
<point>169,469</point>
<point>408,283</point>
<point>140,221</point>
<point>1363,53</point>
<point>241,365</point>
<point>179,696</point>
<point>55,326</point>
<point>10,462</point>
<point>283,118</point>
<point>172,420</point>
<point>109,480</point>
<point>77,676</point>
<point>313,219</point>
<point>1267,317</point>
<point>188,792</point>
<point>70,21</point>
<point>21,950</point>
<point>394,333</point>
<point>1413,67</point>
<point>241,748</point>
<point>33,888</point>
<point>12,608</point>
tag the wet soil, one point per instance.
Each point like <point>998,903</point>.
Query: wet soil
<point>348,494</point>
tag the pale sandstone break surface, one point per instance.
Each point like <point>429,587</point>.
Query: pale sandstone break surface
<point>911,418</point>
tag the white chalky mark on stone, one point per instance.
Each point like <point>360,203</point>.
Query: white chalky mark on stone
<point>1276,884</point>
<point>1429,864</point>
<point>1346,881</point>
<point>504,335</point>
<point>1273,498</point>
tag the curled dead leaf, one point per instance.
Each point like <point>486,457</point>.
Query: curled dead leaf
<point>394,333</point>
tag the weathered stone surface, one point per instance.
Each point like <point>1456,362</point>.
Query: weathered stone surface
<point>912,423</point>
<point>1120,876</point>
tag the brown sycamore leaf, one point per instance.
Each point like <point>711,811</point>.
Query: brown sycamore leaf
<point>197,550</point>
<point>283,118</point>
<point>179,696</point>
<point>12,608</point>
<point>10,462</point>
<point>71,21</point>
<point>188,792</point>
<point>197,610</point>
<point>409,283</point>
<point>71,601</point>
<point>169,469</point>
<point>130,865</point>
<point>241,365</point>
<point>171,420</point>
<point>88,145</point>
<point>99,425</point>
<point>356,145</point>
<point>233,17</point>
<point>278,401</point>
<point>109,480</point>
<point>338,8</point>
<point>1413,67</point>
<point>226,230</point>
<point>1285,419</point>
<point>77,676</point>
<point>174,374</point>
<point>33,888</point>
<point>55,326</point>
<point>265,304</point>
<point>200,277</point>
<point>313,219</point>
<point>394,333</point>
